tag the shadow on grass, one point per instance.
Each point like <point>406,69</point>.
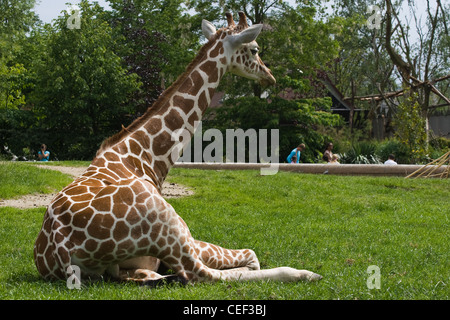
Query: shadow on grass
<point>35,279</point>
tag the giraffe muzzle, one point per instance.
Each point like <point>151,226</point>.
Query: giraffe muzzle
<point>268,81</point>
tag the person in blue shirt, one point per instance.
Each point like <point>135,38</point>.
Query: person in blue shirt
<point>44,154</point>
<point>296,152</point>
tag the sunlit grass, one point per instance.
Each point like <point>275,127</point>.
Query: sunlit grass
<point>18,178</point>
<point>333,225</point>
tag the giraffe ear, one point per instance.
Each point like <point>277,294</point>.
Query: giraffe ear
<point>208,29</point>
<point>248,35</point>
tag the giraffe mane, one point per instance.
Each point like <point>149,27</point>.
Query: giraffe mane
<point>162,99</point>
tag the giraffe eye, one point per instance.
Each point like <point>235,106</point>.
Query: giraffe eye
<point>254,51</point>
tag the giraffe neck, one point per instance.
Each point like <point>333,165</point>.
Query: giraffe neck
<point>146,147</point>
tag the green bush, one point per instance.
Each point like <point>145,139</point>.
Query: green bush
<point>361,153</point>
<point>410,128</point>
<point>395,147</point>
<point>440,144</point>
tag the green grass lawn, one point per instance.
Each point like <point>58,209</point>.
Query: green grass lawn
<point>333,225</point>
<point>19,178</point>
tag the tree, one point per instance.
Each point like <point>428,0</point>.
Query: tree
<point>291,44</point>
<point>417,65</point>
<point>16,20</point>
<point>160,30</point>
<point>142,46</point>
<point>361,57</point>
<point>82,88</point>
<point>11,84</point>
<point>388,64</point>
<point>410,127</point>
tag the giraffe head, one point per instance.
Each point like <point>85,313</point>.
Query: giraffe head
<point>241,49</point>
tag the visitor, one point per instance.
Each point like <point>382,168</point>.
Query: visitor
<point>296,152</point>
<point>294,159</point>
<point>390,160</point>
<point>328,155</point>
<point>44,154</point>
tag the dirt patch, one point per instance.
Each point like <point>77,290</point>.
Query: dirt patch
<point>170,190</point>
<point>29,201</point>
<point>73,171</point>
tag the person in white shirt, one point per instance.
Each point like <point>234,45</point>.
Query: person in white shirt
<point>391,160</point>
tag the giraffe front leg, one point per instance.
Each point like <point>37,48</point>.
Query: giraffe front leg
<point>284,274</point>
<point>220,258</point>
<point>193,269</point>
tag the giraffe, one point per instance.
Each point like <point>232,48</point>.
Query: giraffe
<point>113,220</point>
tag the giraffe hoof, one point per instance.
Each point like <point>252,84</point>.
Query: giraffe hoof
<point>315,277</point>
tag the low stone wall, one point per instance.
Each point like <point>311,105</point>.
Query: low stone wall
<point>401,170</point>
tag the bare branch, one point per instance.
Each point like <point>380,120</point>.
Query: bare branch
<point>403,67</point>
<point>440,79</point>
<point>419,56</point>
<point>433,31</point>
<point>397,93</point>
<point>270,5</point>
<point>406,48</point>
<point>436,91</point>
<point>443,16</point>
<point>439,105</point>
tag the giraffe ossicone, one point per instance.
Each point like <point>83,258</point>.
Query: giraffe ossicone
<point>112,219</point>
